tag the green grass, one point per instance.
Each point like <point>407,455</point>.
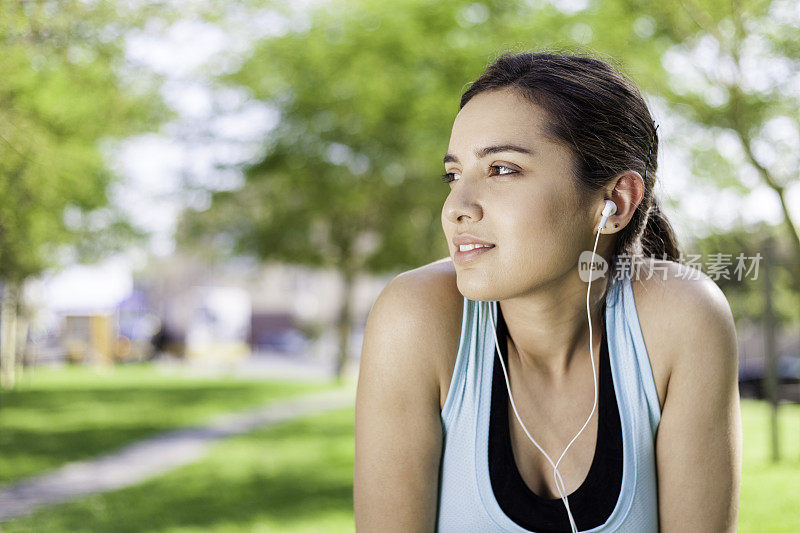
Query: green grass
<point>62,415</point>
<point>770,492</point>
<point>297,477</point>
<point>293,478</point>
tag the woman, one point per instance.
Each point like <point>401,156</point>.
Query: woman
<point>623,392</point>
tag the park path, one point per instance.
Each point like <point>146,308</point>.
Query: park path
<point>151,457</point>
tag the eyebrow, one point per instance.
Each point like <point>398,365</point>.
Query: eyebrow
<point>483,152</point>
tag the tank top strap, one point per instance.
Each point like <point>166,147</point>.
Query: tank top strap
<point>626,340</point>
<point>465,362</point>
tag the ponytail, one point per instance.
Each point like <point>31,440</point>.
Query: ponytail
<point>658,237</point>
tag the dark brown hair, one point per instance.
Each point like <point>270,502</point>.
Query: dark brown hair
<point>602,117</point>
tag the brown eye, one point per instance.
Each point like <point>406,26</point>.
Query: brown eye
<point>499,167</point>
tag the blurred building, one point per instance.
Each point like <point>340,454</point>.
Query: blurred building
<point>87,313</point>
<point>293,309</point>
<point>752,363</point>
<point>184,307</point>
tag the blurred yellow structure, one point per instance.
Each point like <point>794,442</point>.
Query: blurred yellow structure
<point>89,337</point>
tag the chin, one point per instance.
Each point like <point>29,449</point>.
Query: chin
<point>473,285</point>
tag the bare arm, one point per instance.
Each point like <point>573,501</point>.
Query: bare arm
<point>398,433</point>
<point>699,441</point>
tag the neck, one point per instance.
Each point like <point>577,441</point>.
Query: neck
<point>549,328</point>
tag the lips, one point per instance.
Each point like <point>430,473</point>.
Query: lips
<point>471,255</point>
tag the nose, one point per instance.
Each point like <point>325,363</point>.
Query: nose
<point>462,202</point>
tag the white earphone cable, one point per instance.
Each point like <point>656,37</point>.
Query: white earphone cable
<point>556,474</point>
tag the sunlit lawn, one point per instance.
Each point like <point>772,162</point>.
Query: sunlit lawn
<point>297,477</point>
<point>770,493</point>
<point>62,415</point>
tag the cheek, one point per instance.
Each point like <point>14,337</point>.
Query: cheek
<point>545,232</point>
<point>543,217</point>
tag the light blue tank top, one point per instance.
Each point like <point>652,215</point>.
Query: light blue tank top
<point>466,501</point>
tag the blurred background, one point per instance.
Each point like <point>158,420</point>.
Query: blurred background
<point>201,199</point>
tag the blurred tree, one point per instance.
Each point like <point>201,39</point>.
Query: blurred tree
<point>62,92</point>
<point>366,92</point>
<point>743,290</point>
<point>733,70</point>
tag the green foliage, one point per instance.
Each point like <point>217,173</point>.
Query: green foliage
<point>367,92</point>
<point>730,69</point>
<point>731,74</point>
<point>60,95</point>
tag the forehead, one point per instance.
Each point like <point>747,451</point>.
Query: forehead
<point>498,115</point>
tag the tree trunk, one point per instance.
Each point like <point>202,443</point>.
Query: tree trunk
<point>8,335</point>
<point>770,383</point>
<point>23,325</point>
<point>343,324</point>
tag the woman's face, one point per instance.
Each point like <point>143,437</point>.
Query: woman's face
<point>512,187</point>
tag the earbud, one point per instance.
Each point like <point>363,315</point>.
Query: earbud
<point>609,209</point>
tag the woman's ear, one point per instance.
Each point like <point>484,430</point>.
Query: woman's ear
<point>627,191</point>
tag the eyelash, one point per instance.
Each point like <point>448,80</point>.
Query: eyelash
<point>447,176</point>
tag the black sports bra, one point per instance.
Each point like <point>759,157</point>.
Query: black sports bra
<point>592,503</point>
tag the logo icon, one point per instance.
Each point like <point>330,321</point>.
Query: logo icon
<point>585,267</point>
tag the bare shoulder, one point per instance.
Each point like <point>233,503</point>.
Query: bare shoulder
<point>430,289</point>
<point>398,432</point>
<point>690,325</point>
<point>677,306</point>
<point>429,297</point>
